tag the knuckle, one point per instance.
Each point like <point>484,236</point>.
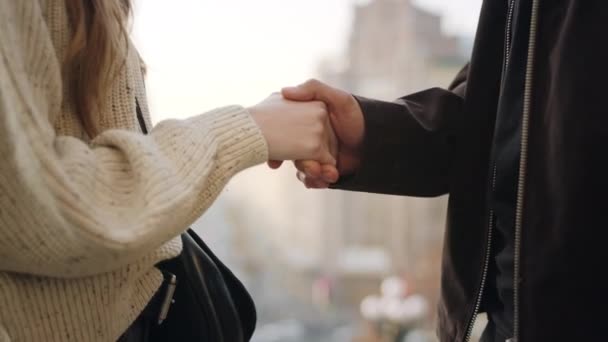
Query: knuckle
<point>312,82</point>
<point>318,148</point>
<point>318,130</point>
<point>322,110</point>
<point>320,114</point>
<point>315,148</point>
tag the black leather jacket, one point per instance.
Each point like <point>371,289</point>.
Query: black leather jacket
<point>439,141</point>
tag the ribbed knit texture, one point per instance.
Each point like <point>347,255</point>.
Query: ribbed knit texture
<point>82,223</point>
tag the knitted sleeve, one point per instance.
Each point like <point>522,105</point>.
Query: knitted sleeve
<point>70,208</point>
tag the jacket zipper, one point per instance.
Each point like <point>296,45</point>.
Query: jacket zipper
<point>508,41</point>
<point>486,262</point>
<point>523,164</point>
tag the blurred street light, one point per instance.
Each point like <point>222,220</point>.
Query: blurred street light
<point>394,313</point>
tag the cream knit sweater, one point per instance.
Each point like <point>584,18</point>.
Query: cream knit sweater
<point>82,223</point>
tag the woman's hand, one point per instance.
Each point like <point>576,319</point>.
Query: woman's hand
<point>348,125</point>
<point>296,130</point>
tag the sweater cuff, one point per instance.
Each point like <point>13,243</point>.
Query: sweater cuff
<point>240,142</point>
<point>227,138</point>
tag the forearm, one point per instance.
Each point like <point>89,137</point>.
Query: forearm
<point>406,148</point>
<point>72,209</point>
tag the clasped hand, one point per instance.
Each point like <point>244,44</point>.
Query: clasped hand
<point>319,127</point>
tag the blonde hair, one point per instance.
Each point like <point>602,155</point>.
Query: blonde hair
<point>97,51</point>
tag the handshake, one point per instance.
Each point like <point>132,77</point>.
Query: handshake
<point>319,127</point>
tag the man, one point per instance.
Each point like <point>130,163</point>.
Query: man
<point>519,141</point>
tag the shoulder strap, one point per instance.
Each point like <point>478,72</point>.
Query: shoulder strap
<point>140,117</point>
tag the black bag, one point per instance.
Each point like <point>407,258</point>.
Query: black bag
<point>210,303</point>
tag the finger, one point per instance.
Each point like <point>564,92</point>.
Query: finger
<point>311,168</point>
<point>327,158</point>
<point>315,184</point>
<point>275,164</point>
<point>329,174</point>
<point>311,183</point>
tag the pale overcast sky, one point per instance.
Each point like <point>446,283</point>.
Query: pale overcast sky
<point>206,53</point>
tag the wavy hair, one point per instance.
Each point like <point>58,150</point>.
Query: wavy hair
<point>95,54</point>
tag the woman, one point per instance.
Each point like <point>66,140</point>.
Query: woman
<point>89,204</point>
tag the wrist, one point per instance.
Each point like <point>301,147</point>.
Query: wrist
<point>359,124</point>
<point>260,120</point>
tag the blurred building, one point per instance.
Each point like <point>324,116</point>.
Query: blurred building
<point>395,48</point>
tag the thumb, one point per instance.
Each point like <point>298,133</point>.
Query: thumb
<point>299,93</point>
<point>311,90</point>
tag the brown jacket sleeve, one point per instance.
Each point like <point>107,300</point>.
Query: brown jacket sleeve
<point>407,145</point>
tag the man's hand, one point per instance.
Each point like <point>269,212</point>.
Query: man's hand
<point>347,121</point>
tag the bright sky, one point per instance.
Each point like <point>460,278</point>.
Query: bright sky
<point>207,53</point>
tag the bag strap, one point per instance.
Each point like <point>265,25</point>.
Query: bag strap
<point>140,117</point>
